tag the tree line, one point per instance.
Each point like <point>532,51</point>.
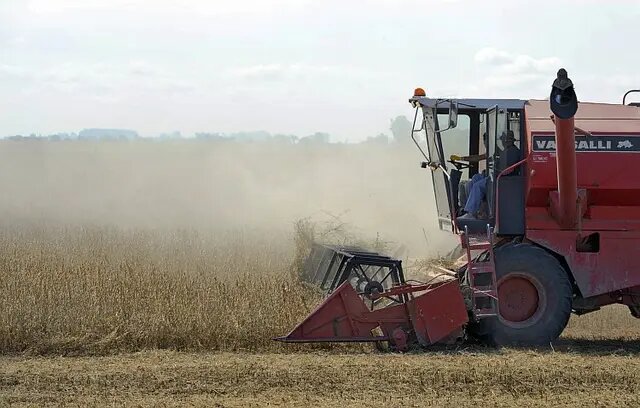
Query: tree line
<point>399,129</point>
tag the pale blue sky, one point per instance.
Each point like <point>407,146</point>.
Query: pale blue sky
<point>295,66</point>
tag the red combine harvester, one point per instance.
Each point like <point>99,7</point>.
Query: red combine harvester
<point>546,206</point>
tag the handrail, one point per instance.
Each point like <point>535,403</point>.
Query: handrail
<point>624,98</point>
<point>413,131</point>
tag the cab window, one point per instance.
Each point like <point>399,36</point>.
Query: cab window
<point>456,140</point>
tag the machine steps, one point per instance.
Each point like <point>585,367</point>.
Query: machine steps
<point>481,270</point>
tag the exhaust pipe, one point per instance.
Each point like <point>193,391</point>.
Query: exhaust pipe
<point>564,105</point>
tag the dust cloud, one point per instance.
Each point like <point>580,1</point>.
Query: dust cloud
<point>375,189</point>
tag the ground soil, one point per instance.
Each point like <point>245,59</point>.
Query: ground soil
<point>573,372</point>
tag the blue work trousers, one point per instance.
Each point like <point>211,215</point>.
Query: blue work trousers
<point>477,193</point>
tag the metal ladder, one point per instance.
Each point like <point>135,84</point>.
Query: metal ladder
<point>482,273</point>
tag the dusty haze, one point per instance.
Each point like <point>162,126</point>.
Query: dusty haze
<point>376,189</point>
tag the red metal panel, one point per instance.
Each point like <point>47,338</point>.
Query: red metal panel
<point>595,170</point>
<point>594,117</point>
<point>343,316</point>
<point>606,176</point>
<point>613,267</point>
<point>610,212</point>
<point>438,313</point>
<point>612,192</point>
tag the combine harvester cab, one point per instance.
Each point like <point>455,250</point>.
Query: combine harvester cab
<point>544,200</point>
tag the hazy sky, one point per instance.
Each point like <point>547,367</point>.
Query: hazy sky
<point>344,67</point>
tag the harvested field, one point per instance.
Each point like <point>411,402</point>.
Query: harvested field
<point>463,378</point>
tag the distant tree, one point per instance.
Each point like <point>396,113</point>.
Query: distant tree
<point>216,136</point>
<point>316,138</point>
<point>254,136</point>
<point>381,138</point>
<point>171,135</point>
<point>108,134</point>
<point>284,139</point>
<point>401,129</point>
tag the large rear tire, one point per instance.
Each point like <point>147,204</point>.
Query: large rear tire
<point>534,295</point>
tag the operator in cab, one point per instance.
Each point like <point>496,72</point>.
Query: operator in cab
<point>508,156</point>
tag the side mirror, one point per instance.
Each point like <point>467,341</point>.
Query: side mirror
<point>453,115</point>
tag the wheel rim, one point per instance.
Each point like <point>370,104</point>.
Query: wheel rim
<point>522,299</point>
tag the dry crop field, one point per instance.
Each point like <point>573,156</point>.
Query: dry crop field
<point>107,316</point>
<point>124,288</point>
<point>99,290</point>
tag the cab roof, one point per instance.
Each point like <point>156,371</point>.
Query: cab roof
<point>591,116</point>
<point>472,104</point>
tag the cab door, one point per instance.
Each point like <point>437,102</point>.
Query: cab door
<point>439,175</point>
